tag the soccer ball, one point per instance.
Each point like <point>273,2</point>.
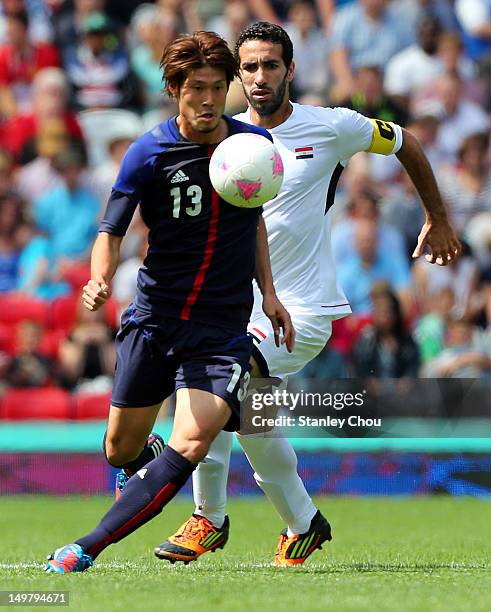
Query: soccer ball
<point>246,170</point>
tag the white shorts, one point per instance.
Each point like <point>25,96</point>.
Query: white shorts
<point>312,333</point>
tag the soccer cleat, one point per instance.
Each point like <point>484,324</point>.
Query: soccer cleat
<point>295,550</point>
<point>121,480</point>
<point>67,559</point>
<point>194,538</point>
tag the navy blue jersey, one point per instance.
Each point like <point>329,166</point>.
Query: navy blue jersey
<point>201,253</point>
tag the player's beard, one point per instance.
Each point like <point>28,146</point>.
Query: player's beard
<point>268,107</point>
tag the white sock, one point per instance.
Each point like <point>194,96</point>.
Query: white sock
<point>210,480</point>
<point>275,465</point>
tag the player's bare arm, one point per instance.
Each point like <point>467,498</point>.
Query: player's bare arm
<point>272,307</point>
<point>437,233</point>
<point>104,262</point>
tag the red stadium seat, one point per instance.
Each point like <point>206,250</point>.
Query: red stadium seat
<point>92,405</point>
<point>36,404</point>
<point>64,312</point>
<point>7,338</point>
<point>14,308</point>
<point>77,274</point>
<point>50,342</point>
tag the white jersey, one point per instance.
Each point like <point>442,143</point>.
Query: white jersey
<point>315,144</point>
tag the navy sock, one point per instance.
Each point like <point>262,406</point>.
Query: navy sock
<point>152,449</point>
<point>143,498</point>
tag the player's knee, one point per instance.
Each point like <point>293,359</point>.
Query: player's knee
<point>194,450</point>
<point>118,452</point>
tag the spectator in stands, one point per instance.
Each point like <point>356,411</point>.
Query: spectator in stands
<point>430,329</point>
<point>183,12</point>
<point>466,188</point>
<point>12,236</point>
<point>461,276</point>
<point>69,19</point>
<point>311,51</point>
<point>50,96</point>
<point>236,16</point>
<point>6,173</point>
<point>413,11</point>
<point>69,206</point>
<point>475,19</point>
<point>370,99</point>
<point>276,11</point>
<point>400,210</point>
<point>39,274</point>
<point>124,282</point>
<point>385,349</point>
<point>369,264</point>
<point>20,60</point>
<point>424,125</point>
<point>98,68</point>
<point>40,176</point>
<point>88,354</point>
<point>363,33</point>
<point>40,28</point>
<point>460,118</point>
<point>454,61</point>
<point>477,234</point>
<point>29,367</point>
<point>463,356</point>
<point>102,177</point>
<point>365,206</point>
<point>416,65</point>
<point>486,290</point>
<point>154,32</point>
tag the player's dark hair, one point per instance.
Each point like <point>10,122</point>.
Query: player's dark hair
<point>269,32</point>
<point>192,51</point>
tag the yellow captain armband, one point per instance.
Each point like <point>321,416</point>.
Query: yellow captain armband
<point>384,137</point>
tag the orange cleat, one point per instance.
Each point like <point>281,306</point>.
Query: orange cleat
<point>194,538</point>
<point>297,549</point>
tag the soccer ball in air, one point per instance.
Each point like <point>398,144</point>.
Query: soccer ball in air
<point>246,170</point>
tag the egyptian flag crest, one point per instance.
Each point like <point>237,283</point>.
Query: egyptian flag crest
<point>304,152</point>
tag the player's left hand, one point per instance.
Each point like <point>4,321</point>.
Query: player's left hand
<point>280,320</point>
<point>442,241</point>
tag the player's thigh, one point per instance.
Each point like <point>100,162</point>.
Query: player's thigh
<point>218,363</point>
<point>312,334</point>
<point>199,416</point>
<point>128,429</point>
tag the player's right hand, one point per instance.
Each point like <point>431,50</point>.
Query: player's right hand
<point>95,294</point>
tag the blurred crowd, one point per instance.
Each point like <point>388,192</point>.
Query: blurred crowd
<point>80,80</point>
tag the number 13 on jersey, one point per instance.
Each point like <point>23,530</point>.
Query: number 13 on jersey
<point>194,193</point>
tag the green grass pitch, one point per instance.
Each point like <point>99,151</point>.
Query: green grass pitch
<point>414,554</point>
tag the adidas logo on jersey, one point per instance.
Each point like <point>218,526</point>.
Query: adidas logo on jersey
<point>179,177</point>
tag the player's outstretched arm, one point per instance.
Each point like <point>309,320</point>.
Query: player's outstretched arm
<point>437,233</point>
<point>103,265</point>
<point>272,307</point>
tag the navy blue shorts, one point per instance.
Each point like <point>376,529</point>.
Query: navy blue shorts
<point>153,359</point>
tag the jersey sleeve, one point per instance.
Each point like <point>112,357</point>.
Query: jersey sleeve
<point>136,170</point>
<point>356,133</point>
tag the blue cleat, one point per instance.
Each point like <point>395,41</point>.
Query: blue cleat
<point>121,480</point>
<point>70,558</point>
